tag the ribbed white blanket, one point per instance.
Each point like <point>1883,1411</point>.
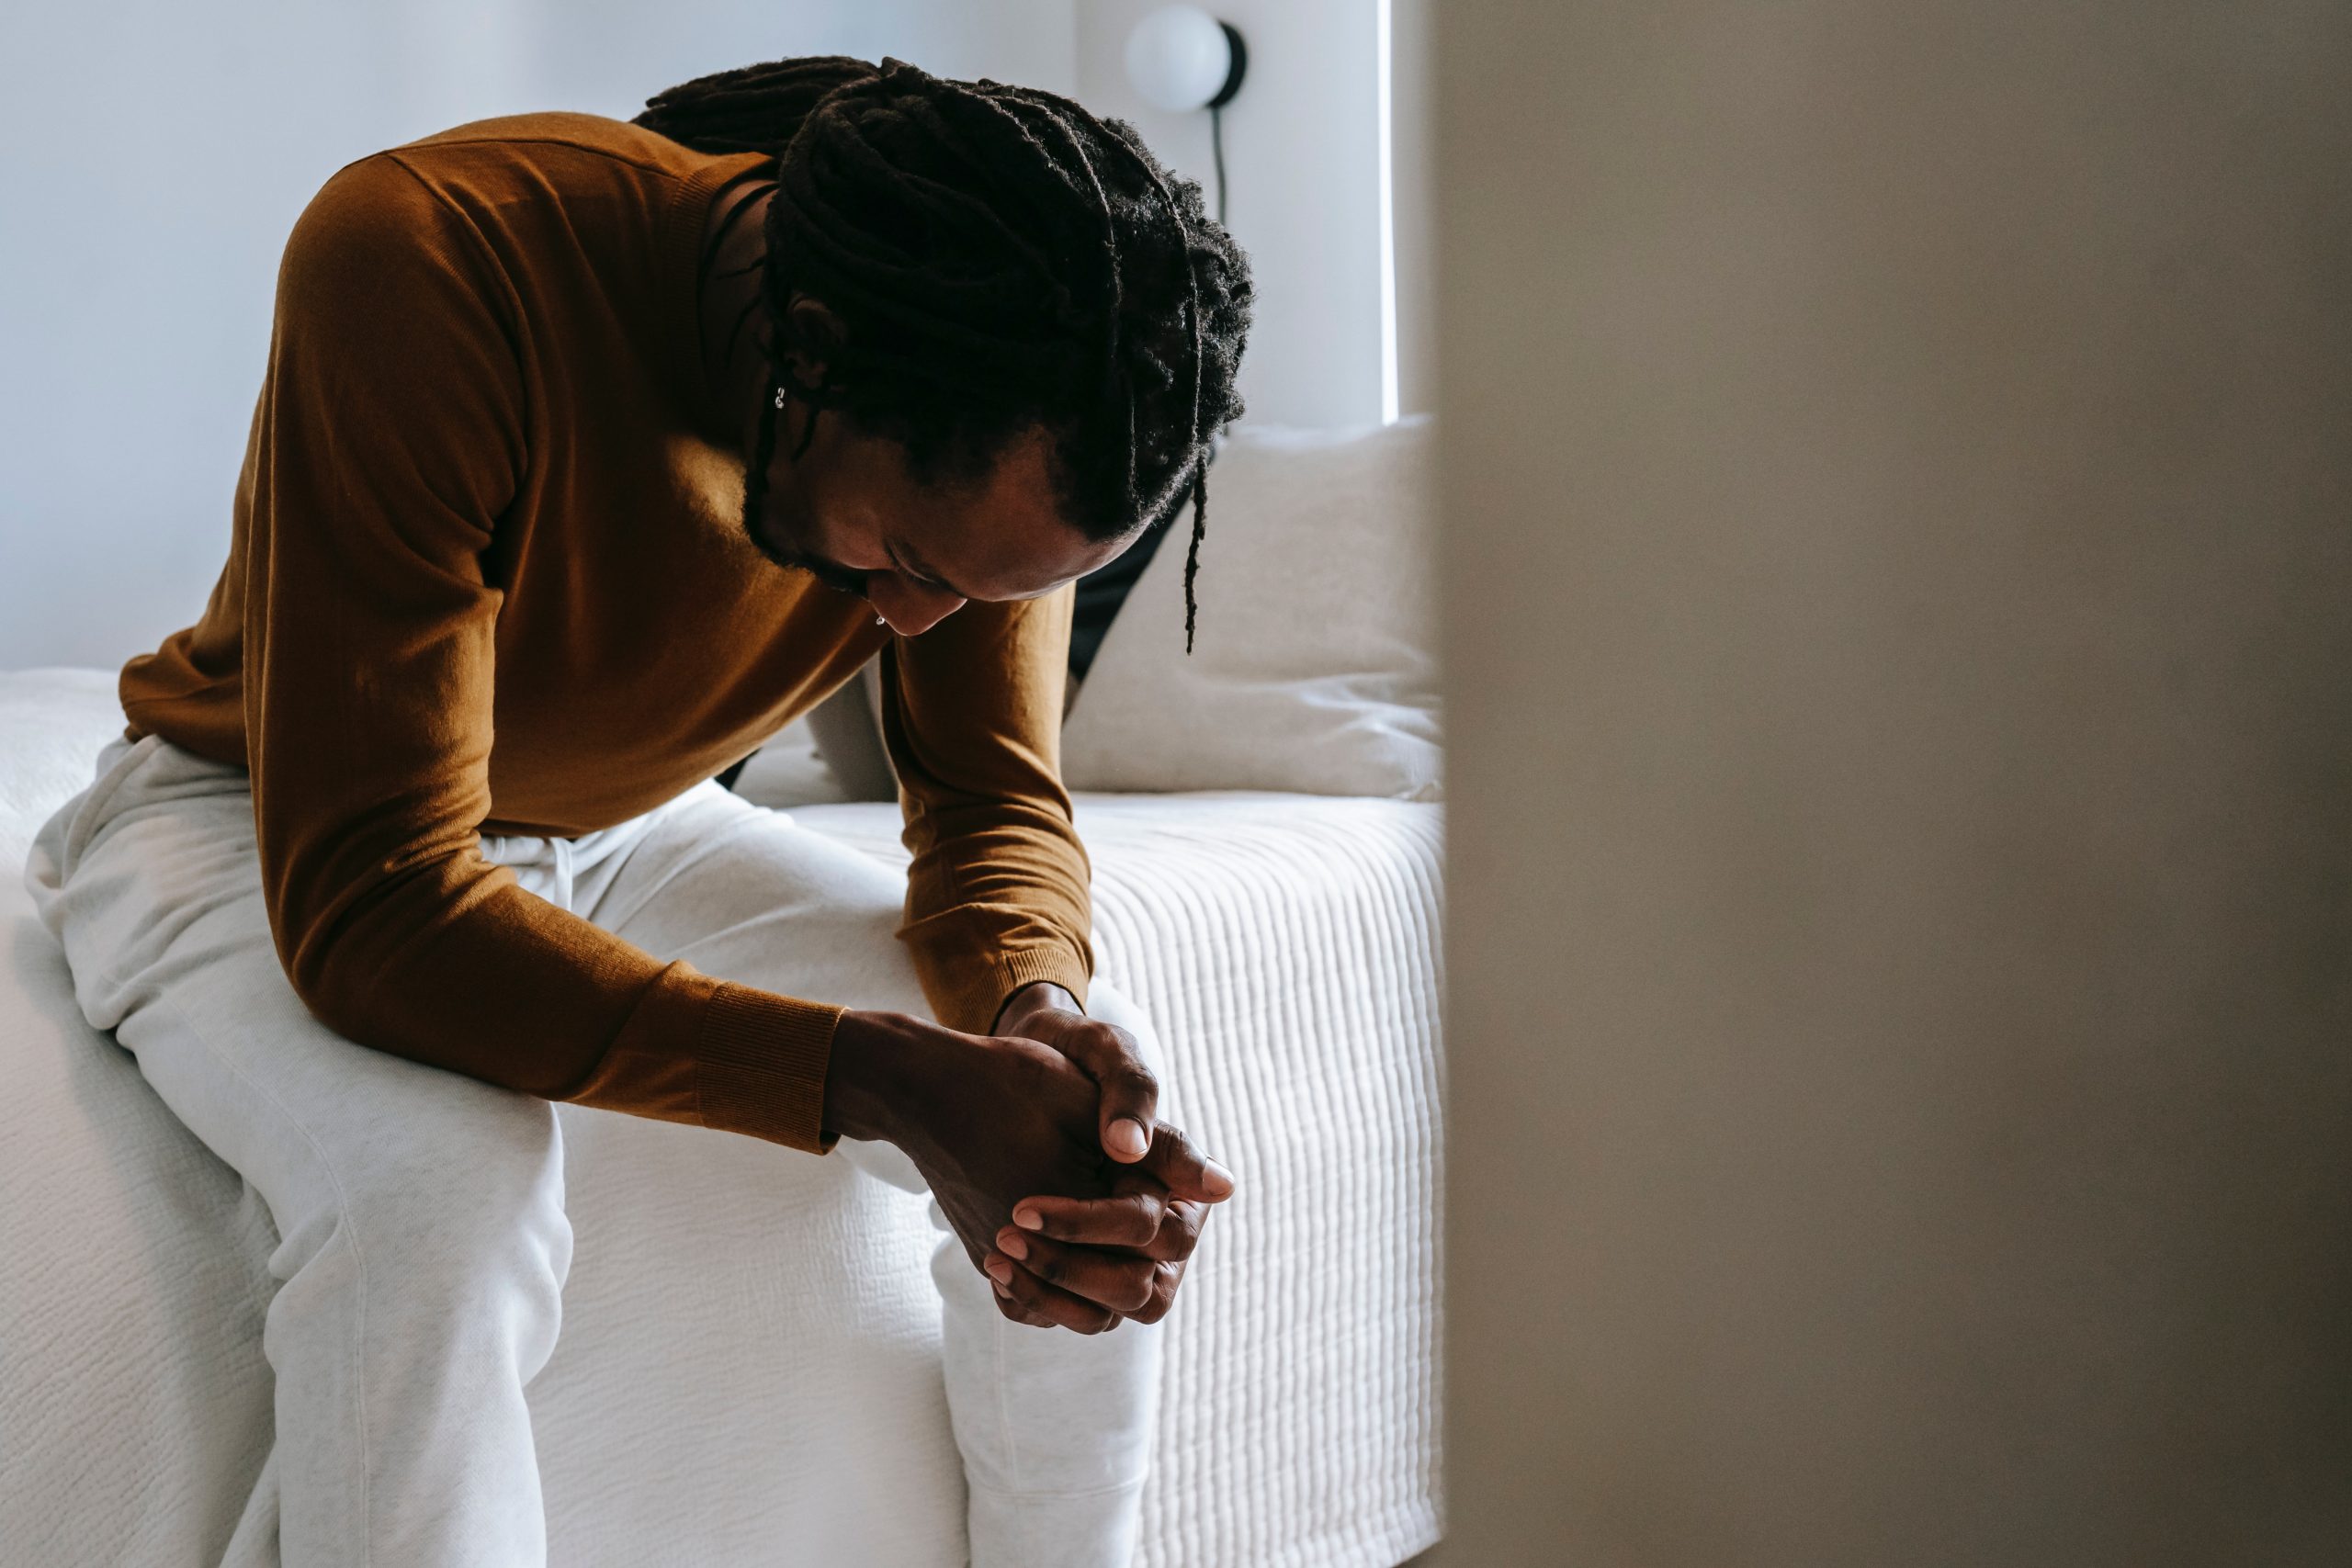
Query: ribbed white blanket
<point>1286,948</point>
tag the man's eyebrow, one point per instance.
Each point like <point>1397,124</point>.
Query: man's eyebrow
<point>832,573</point>
<point>915,567</point>
<point>842,578</point>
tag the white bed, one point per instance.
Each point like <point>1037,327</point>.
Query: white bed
<point>748,1368</point>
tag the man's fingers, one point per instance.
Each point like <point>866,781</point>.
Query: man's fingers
<point>1166,1277</point>
<point>1013,1310</point>
<point>1130,1094</point>
<point>1054,1305</point>
<point>1187,1172</point>
<point>1119,1280</point>
<point>1180,1231</point>
<point>1173,1223</point>
<point>1129,1219</point>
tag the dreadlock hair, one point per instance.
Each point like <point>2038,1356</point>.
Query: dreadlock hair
<point>1001,259</point>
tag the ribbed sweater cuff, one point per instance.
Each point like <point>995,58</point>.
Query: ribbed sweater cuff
<point>759,1066</point>
<point>977,1004</point>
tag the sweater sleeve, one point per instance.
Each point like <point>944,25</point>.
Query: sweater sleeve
<point>390,440</point>
<point>997,894</point>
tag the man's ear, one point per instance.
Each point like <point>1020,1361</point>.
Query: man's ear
<point>813,336</point>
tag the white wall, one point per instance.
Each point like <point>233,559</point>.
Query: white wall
<point>1301,159</point>
<point>152,157</point>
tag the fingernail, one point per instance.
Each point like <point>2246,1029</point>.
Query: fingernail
<point>1028,1219</point>
<point>1215,1179</point>
<point>1014,1245</point>
<point>1128,1139</point>
<point>999,1270</point>
<point>998,1286</point>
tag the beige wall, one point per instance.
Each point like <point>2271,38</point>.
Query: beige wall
<point>1898,487</point>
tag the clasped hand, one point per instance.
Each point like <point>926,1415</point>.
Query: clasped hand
<point>1032,1140</point>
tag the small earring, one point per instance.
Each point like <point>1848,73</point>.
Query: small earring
<point>779,397</point>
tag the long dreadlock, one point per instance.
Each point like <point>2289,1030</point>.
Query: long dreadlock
<point>1001,259</point>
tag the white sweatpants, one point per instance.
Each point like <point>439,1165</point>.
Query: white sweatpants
<point>422,1245</point>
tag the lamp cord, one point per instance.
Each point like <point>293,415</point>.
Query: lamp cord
<point>1217,146</point>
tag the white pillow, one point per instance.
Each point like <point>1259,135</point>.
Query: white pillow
<point>1312,668</point>
<point>53,723</point>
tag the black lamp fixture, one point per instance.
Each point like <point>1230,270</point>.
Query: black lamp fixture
<point>1182,59</point>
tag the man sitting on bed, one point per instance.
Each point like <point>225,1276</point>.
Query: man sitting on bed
<point>413,832</point>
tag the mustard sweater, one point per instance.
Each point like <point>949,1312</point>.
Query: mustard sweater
<point>487,574</point>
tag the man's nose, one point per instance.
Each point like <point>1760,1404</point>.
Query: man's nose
<point>908,607</point>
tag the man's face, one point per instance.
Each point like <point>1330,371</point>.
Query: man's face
<point>848,510</point>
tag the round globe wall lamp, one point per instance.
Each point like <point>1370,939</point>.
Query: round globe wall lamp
<point>1182,59</point>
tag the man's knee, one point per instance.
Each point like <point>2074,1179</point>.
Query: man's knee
<point>835,939</point>
<point>468,1203</point>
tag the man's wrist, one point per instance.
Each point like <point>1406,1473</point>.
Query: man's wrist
<point>872,1075</point>
<point>1038,996</point>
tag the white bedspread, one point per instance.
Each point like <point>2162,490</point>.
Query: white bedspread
<point>747,1370</point>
